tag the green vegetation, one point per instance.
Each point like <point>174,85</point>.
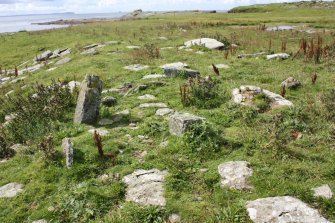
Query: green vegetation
<point>282,164</point>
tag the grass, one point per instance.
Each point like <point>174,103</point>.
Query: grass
<point>282,165</point>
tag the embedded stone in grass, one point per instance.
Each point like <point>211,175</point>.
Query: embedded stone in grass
<point>282,56</point>
<point>90,46</point>
<point>101,132</point>
<point>172,72</point>
<point>174,218</point>
<point>92,51</point>
<point>88,103</point>
<point>324,192</point>
<point>18,147</point>
<point>43,56</point>
<point>133,47</point>
<point>282,210</point>
<point>72,85</point>
<point>146,97</point>
<point>164,111</point>
<point>206,42</point>
<point>40,221</point>
<point>177,65</point>
<point>68,151</point>
<point>136,67</point>
<point>52,69</point>
<point>154,76</point>
<point>109,101</point>
<point>153,105</point>
<point>179,123</point>
<point>235,175</point>
<point>10,190</point>
<point>63,61</point>
<point>245,95</point>
<point>291,83</point>
<point>146,187</point>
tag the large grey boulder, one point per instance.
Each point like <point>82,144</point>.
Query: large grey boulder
<point>206,42</point>
<point>88,104</point>
<point>323,191</point>
<point>282,210</point>
<point>10,190</point>
<point>179,123</point>
<point>235,175</point>
<point>146,187</point>
<point>67,146</point>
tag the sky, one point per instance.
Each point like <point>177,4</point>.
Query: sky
<point>19,7</point>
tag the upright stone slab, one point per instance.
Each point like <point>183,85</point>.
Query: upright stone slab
<point>88,104</point>
<point>181,122</point>
<point>68,151</point>
<point>282,210</point>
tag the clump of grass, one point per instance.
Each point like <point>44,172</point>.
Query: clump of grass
<point>262,103</point>
<point>48,148</point>
<point>98,142</point>
<point>148,51</point>
<point>5,151</point>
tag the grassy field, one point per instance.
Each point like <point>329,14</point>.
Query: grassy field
<point>281,164</point>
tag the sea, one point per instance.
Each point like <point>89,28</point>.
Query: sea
<point>18,23</point>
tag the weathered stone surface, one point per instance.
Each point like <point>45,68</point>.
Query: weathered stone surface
<point>67,146</point>
<point>88,104</point>
<point>172,72</point>
<point>245,94</point>
<point>177,65</point>
<point>146,187</point>
<point>282,56</point>
<point>235,175</point>
<point>65,52</point>
<point>10,190</point>
<point>133,47</point>
<point>179,123</point>
<point>206,42</point>
<point>146,97</point>
<point>164,111</point>
<point>44,56</point>
<point>282,210</point>
<point>136,67</point>
<point>92,51</point>
<point>40,221</point>
<point>63,61</point>
<point>101,132</point>
<point>324,192</point>
<point>174,218</point>
<point>109,101</point>
<point>72,85</point>
<point>291,83</point>
<point>154,76</point>
<point>153,105</point>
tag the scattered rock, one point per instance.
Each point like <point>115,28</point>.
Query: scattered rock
<point>52,69</point>
<point>147,97</point>
<point>88,103</point>
<point>10,190</point>
<point>67,146</point>
<point>324,192</point>
<point>133,47</point>
<point>177,65</point>
<point>154,76</point>
<point>145,187</point>
<point>282,210</point>
<point>72,85</point>
<point>44,56</point>
<point>172,72</point>
<point>40,221</point>
<point>206,42</point>
<point>245,94</point>
<point>235,175</point>
<point>92,51</point>
<point>280,28</point>
<point>63,61</point>
<point>163,38</point>
<point>181,122</point>
<point>65,52</point>
<point>153,105</point>
<point>101,132</point>
<point>136,67</point>
<point>141,155</point>
<point>174,218</point>
<point>291,83</point>
<point>109,101</point>
<point>94,45</point>
<point>251,55</point>
<point>282,56</point>
<point>164,111</point>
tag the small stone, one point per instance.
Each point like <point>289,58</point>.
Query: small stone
<point>174,218</point>
<point>133,47</point>
<point>109,101</point>
<point>203,170</point>
<point>72,85</point>
<point>147,97</point>
<point>101,132</point>
<point>154,76</point>
<point>181,122</point>
<point>63,61</point>
<point>51,209</point>
<point>164,144</point>
<point>172,72</point>
<point>324,192</point>
<point>177,65</point>
<point>92,51</point>
<point>153,105</point>
<point>106,121</point>
<point>282,56</point>
<point>136,67</point>
<point>52,69</point>
<point>164,111</point>
<point>40,221</point>
<point>235,175</point>
<point>10,190</point>
<point>291,83</point>
<point>206,42</point>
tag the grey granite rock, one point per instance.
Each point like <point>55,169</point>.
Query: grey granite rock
<point>179,123</point>
<point>235,175</point>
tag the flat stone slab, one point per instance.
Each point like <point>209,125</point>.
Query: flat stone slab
<point>177,65</point>
<point>146,187</point>
<point>153,105</point>
<point>324,192</point>
<point>206,42</point>
<point>282,56</point>
<point>164,111</point>
<point>63,61</point>
<point>179,123</point>
<point>154,76</point>
<point>235,175</point>
<point>282,210</point>
<point>136,67</point>
<point>133,47</point>
<point>147,97</point>
<point>245,94</point>
<point>91,51</point>
<point>10,190</point>
<point>101,132</point>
